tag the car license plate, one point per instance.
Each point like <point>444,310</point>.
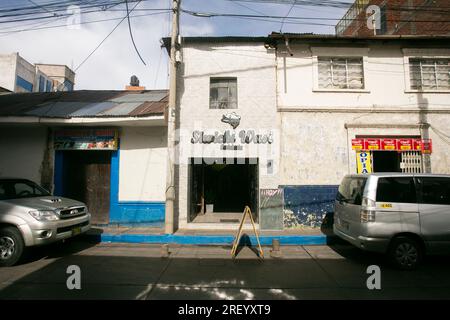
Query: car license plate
<point>76,231</point>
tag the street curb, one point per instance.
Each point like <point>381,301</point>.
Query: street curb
<point>210,239</point>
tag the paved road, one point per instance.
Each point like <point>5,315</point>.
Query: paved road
<point>137,271</point>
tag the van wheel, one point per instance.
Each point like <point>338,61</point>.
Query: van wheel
<point>405,253</point>
<point>11,246</point>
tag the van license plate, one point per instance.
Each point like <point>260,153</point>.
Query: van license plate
<point>76,231</point>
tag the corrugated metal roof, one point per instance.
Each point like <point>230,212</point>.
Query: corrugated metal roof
<point>121,109</point>
<point>57,109</point>
<point>85,103</point>
<point>141,97</point>
<point>92,109</point>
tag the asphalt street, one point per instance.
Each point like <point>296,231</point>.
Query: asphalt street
<point>140,271</point>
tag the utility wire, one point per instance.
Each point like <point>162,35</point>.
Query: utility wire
<point>325,3</point>
<point>289,12</point>
<point>101,42</point>
<point>216,14</point>
<point>81,23</point>
<point>131,32</point>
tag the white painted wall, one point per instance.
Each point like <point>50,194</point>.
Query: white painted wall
<point>142,166</point>
<point>387,82</point>
<point>254,69</point>
<point>316,146</point>
<point>22,151</point>
<point>8,64</point>
<point>26,71</point>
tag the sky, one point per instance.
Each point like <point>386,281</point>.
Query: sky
<point>112,65</point>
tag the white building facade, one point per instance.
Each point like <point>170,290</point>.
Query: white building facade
<point>20,76</point>
<point>320,106</point>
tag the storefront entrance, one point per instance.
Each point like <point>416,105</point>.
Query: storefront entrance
<point>386,161</point>
<point>86,177</point>
<point>221,188</point>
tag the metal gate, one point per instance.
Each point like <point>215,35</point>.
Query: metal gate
<point>411,161</point>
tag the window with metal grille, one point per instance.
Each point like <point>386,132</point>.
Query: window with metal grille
<point>411,162</point>
<point>341,73</point>
<point>223,93</point>
<point>429,74</point>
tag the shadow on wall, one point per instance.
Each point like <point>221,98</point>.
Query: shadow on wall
<point>309,206</point>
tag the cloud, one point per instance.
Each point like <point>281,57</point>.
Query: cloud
<point>112,65</point>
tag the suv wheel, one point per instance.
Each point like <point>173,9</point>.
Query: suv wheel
<point>405,253</point>
<point>11,246</point>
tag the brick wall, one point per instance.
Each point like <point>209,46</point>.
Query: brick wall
<point>401,21</point>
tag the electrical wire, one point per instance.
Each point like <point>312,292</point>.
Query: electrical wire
<point>131,32</point>
<point>289,12</point>
<point>5,33</point>
<point>101,42</point>
<point>217,14</point>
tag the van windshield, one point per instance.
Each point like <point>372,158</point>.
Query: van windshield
<point>351,190</point>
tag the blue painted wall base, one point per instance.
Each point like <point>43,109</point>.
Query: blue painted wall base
<point>211,239</point>
<point>308,205</point>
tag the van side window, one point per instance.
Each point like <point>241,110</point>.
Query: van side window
<point>435,190</point>
<point>351,190</point>
<point>396,189</point>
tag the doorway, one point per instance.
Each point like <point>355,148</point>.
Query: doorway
<point>221,188</point>
<point>386,161</point>
<point>86,178</point>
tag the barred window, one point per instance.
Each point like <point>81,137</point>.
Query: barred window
<point>341,73</point>
<point>429,74</point>
<point>223,93</point>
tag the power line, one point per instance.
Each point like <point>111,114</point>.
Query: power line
<point>329,3</point>
<point>216,14</point>
<point>101,42</point>
<point>289,12</point>
<point>81,23</point>
<point>131,32</point>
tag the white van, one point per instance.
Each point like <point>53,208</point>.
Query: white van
<point>402,215</point>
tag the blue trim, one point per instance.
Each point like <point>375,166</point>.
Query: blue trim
<point>24,84</point>
<point>211,240</point>
<point>58,173</point>
<point>132,212</point>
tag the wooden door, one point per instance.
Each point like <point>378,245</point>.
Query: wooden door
<point>87,179</point>
<point>98,172</point>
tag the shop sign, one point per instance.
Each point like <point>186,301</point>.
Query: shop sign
<point>364,163</point>
<point>86,139</point>
<point>417,144</point>
<point>230,137</point>
<point>389,144</point>
<point>357,144</point>
<point>427,146</point>
<point>392,144</point>
<point>372,144</point>
<point>404,144</point>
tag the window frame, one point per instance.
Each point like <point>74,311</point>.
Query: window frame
<point>427,54</point>
<point>228,79</point>
<point>339,52</point>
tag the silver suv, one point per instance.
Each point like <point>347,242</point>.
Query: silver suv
<point>30,216</point>
<point>402,215</point>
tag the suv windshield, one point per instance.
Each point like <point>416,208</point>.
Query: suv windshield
<point>351,190</point>
<point>18,188</point>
